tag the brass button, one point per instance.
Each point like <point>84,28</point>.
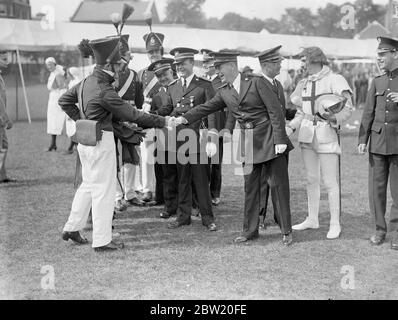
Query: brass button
<point>386,123</point>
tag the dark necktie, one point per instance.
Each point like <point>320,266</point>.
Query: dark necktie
<point>184,85</point>
<point>275,85</point>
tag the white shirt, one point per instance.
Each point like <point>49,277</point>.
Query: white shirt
<point>188,80</point>
<point>269,79</point>
<point>236,83</point>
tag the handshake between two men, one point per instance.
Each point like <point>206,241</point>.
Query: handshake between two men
<point>211,147</point>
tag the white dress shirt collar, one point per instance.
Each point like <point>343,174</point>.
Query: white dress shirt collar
<point>236,83</point>
<point>189,80</point>
<point>272,81</point>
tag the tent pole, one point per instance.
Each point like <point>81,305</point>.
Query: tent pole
<point>23,86</point>
<point>14,60</point>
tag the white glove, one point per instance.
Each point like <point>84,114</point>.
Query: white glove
<point>211,149</point>
<point>146,107</point>
<point>289,131</point>
<point>170,122</point>
<point>362,149</point>
<point>280,148</point>
<point>180,120</point>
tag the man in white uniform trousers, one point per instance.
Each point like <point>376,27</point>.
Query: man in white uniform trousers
<point>101,103</point>
<point>55,116</point>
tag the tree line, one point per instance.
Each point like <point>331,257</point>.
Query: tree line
<point>325,22</point>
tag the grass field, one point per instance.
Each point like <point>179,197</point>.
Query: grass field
<point>189,263</point>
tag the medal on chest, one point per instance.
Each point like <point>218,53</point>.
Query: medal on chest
<point>192,100</point>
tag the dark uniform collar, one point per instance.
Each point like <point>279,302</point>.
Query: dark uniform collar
<point>103,76</point>
<point>393,74</point>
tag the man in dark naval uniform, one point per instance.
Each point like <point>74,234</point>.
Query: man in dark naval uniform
<point>251,102</point>
<point>270,61</point>
<point>151,86</point>
<point>185,94</point>
<point>379,131</point>
<point>164,72</point>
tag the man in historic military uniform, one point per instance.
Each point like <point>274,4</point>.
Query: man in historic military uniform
<point>100,102</point>
<point>185,94</point>
<point>5,123</point>
<point>129,88</point>
<point>250,101</point>
<point>163,70</point>
<point>151,86</point>
<point>271,63</point>
<point>217,121</point>
<point>379,128</point>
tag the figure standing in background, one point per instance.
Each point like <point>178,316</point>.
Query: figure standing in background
<point>55,116</point>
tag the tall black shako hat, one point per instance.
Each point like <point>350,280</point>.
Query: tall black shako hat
<point>387,45</point>
<point>181,54</point>
<point>153,41</point>
<point>106,50</point>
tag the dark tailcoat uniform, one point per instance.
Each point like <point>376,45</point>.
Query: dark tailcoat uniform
<point>379,128</point>
<point>129,89</point>
<point>259,113</point>
<point>101,103</point>
<point>289,115</point>
<point>180,102</point>
<point>146,77</point>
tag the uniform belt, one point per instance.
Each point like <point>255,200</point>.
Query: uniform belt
<point>252,124</point>
<point>314,119</point>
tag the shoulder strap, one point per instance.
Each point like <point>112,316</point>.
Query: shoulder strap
<point>126,85</point>
<point>80,100</point>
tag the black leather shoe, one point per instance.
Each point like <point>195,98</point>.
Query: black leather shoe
<point>75,237</point>
<point>135,202</point>
<point>151,203</point>
<point>216,202</point>
<point>166,215</point>
<point>377,240</point>
<point>176,224</point>
<point>241,239</point>
<point>394,243</point>
<point>5,181</point>
<point>287,239</point>
<point>147,197</point>
<point>212,227</point>
<point>52,148</point>
<point>112,246</point>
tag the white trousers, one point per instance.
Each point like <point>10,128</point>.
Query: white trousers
<point>325,165</point>
<point>148,162</point>
<point>129,177</point>
<point>97,190</point>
